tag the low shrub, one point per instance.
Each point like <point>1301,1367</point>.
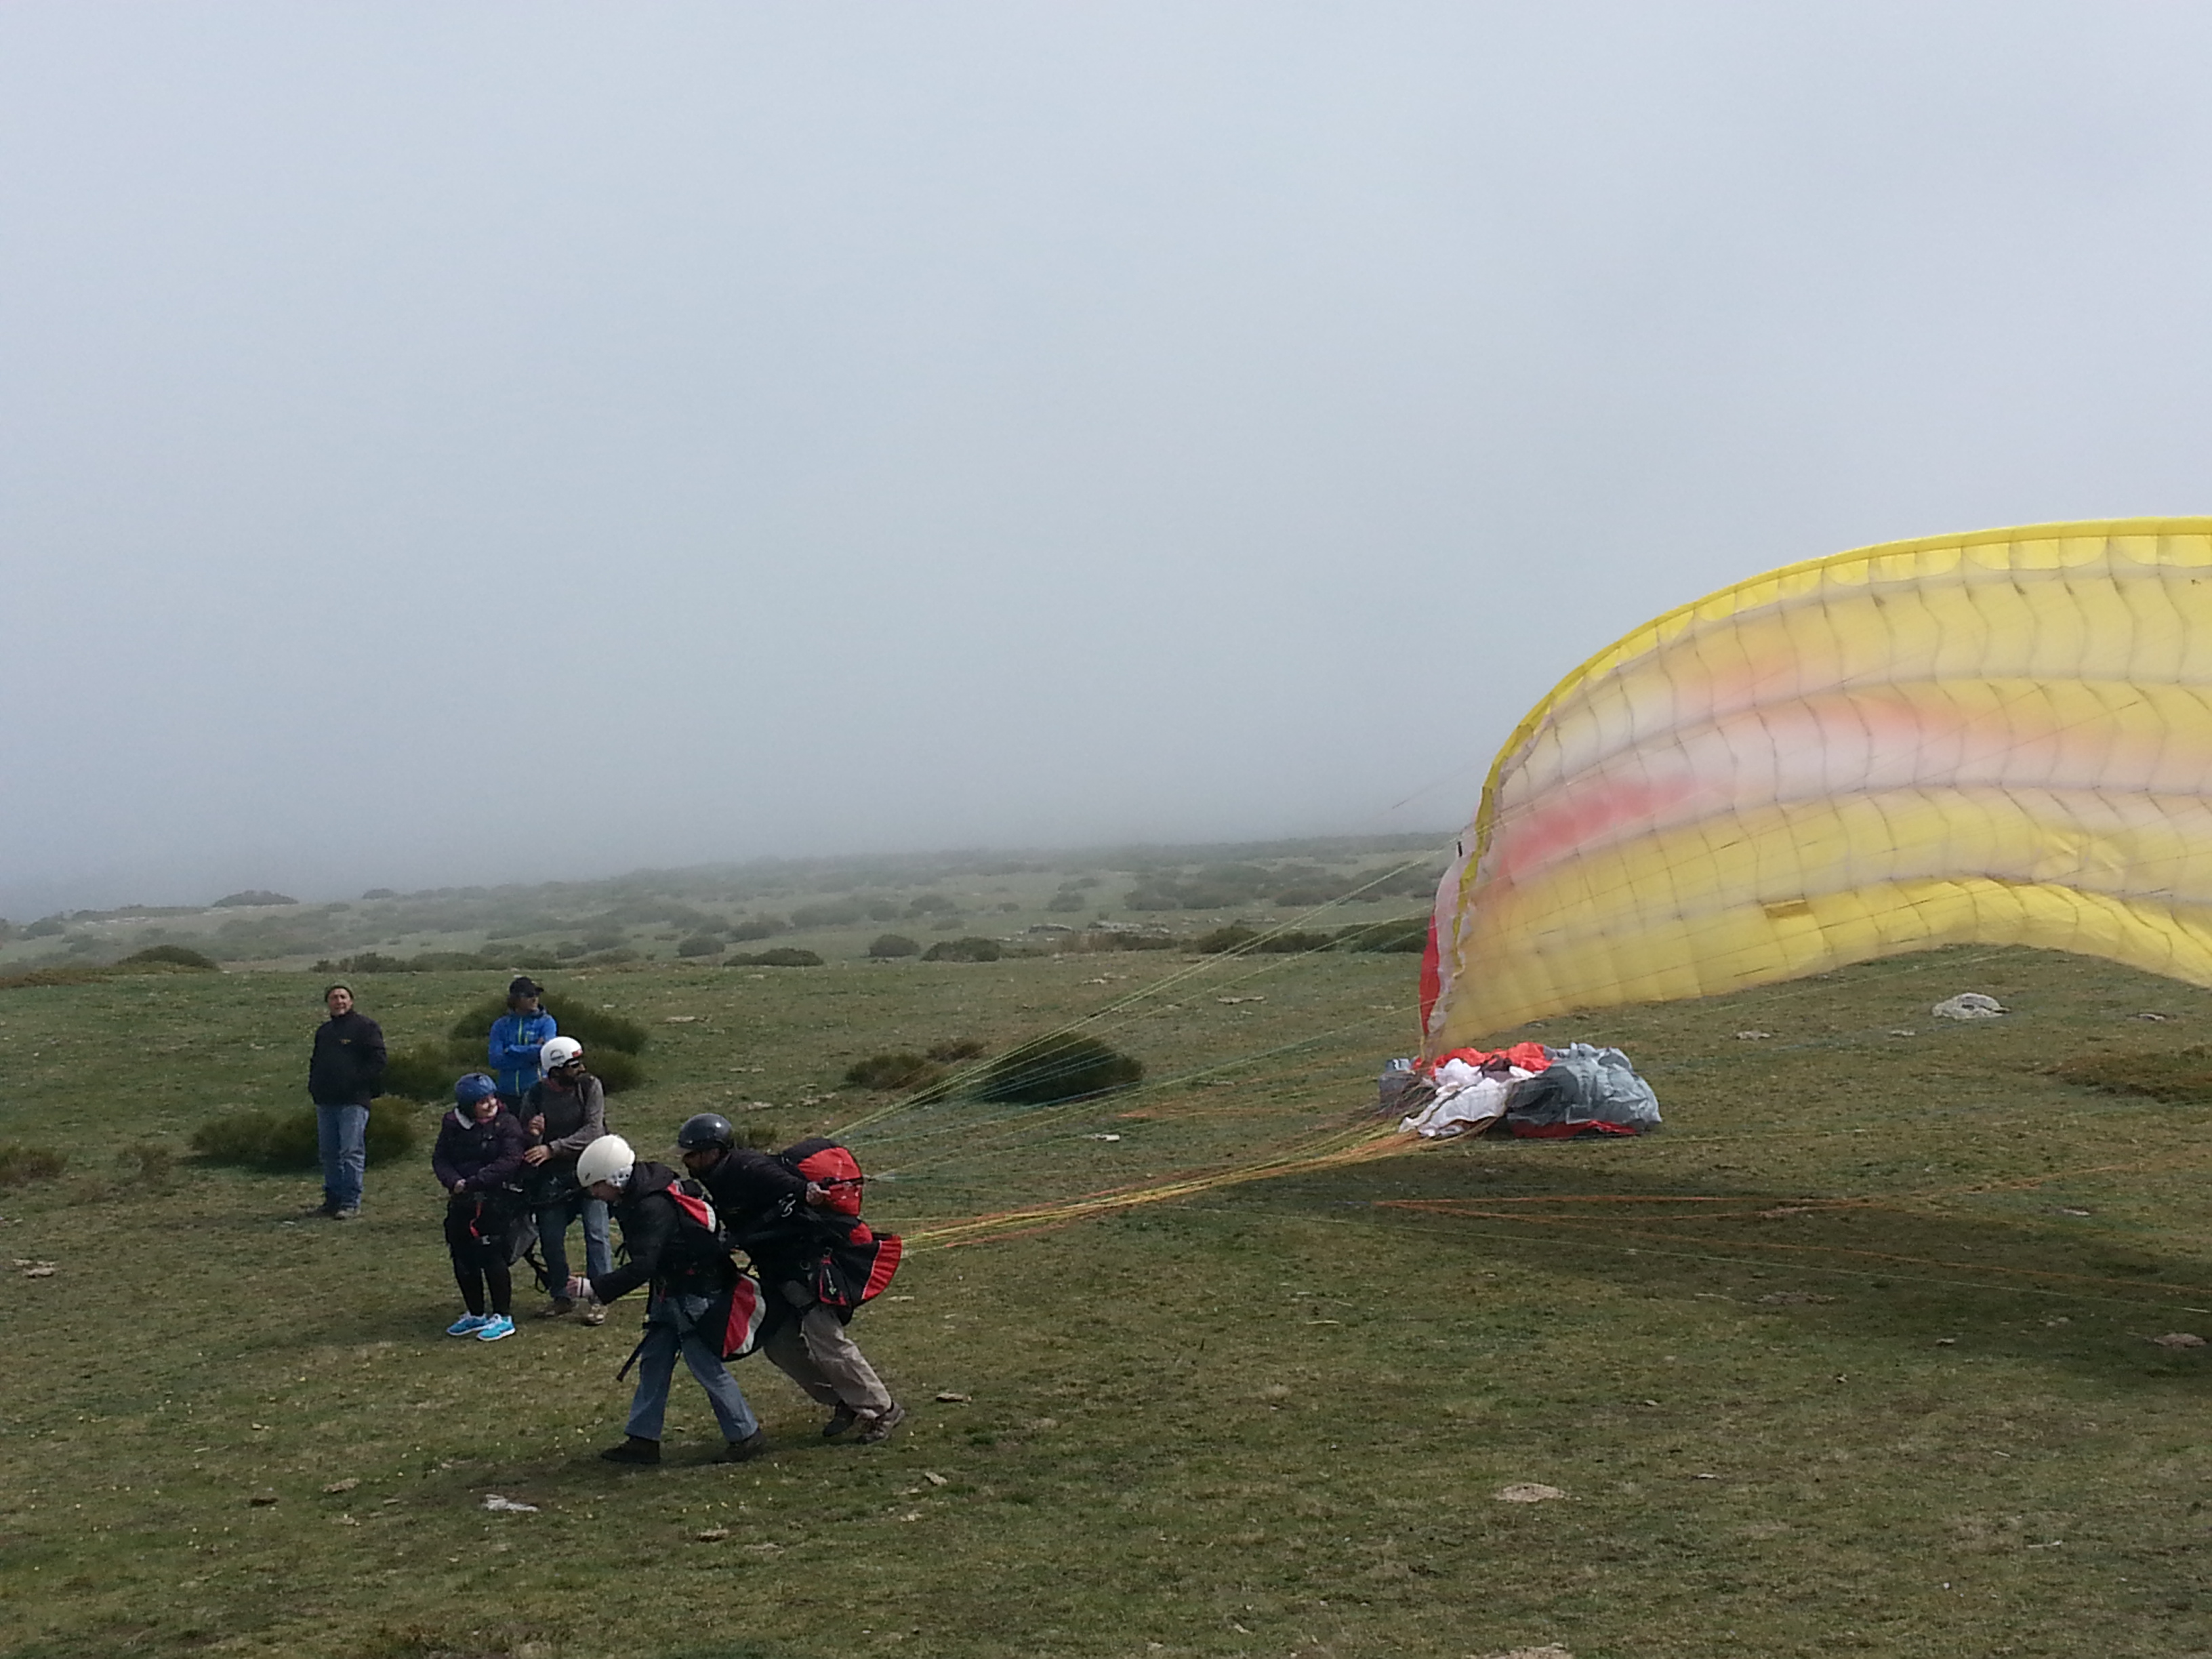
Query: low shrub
<point>893,945</point>
<point>1408,934</point>
<point>597,1029</point>
<point>149,1168</point>
<point>753,927</point>
<point>425,1074</point>
<point>170,956</point>
<point>699,945</point>
<point>931,904</point>
<point>280,1140</point>
<point>963,949</point>
<point>19,1165</point>
<point>955,1048</point>
<point>37,976</point>
<point>1232,938</point>
<point>2176,1077</point>
<point>368,962</point>
<point>252,897</point>
<point>780,955</point>
<point>834,913</point>
<point>1065,1066</point>
<point>1293,944</point>
<point>893,1071</point>
<point>1064,902</point>
<point>615,1070</point>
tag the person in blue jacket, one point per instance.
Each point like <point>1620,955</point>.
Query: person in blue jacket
<point>516,1038</point>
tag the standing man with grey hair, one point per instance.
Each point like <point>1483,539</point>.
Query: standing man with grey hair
<point>343,1075</point>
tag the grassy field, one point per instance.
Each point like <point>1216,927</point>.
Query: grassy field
<point>1857,1357</point>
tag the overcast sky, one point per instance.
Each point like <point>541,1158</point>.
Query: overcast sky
<point>467,443</point>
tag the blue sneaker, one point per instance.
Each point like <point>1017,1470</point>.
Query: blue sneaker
<point>467,1325</point>
<point>497,1326</point>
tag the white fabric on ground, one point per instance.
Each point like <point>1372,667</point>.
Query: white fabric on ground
<point>1466,1099</point>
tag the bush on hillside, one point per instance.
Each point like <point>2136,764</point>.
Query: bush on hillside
<point>780,955</point>
<point>955,1048</point>
<point>595,1027</point>
<point>835,913</point>
<point>1066,1066</point>
<point>963,949</point>
<point>169,956</point>
<point>1409,933</point>
<point>699,945</point>
<point>252,897</point>
<point>615,1070</point>
<point>893,945</point>
<point>891,1071</point>
<point>1067,903</point>
<point>19,1165</point>
<point>1234,937</point>
<point>753,927</point>
<point>2179,1077</point>
<point>421,1073</point>
<point>280,1140</point>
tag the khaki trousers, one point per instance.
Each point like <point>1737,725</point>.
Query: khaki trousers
<point>817,1352</point>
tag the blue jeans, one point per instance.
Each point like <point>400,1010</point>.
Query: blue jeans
<point>342,1141</point>
<point>553,1221</point>
<point>671,1327</point>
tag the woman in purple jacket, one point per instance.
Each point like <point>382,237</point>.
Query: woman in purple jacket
<point>476,1159</point>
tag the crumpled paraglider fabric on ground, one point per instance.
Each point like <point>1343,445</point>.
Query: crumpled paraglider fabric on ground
<point>1469,1100</point>
<point>1529,1056</point>
<point>1577,1090</point>
<point>1584,1091</point>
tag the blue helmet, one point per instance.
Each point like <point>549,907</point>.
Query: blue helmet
<point>474,1087</point>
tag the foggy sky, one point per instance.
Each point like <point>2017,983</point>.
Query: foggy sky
<point>467,443</point>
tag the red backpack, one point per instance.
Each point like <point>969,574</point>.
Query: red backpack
<point>856,1270</point>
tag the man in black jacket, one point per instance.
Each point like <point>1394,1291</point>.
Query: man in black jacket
<point>343,1075</point>
<point>781,1220</point>
<point>676,1247</point>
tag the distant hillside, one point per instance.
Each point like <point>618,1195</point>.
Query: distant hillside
<point>832,906</point>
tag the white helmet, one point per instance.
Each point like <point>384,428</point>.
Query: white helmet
<point>608,1158</point>
<point>558,1052</point>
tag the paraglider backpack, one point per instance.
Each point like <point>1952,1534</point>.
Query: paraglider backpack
<point>734,1319</point>
<point>855,1268</point>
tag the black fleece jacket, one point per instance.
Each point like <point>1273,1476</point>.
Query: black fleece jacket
<point>348,1063</point>
<point>662,1250</point>
<point>763,1205</point>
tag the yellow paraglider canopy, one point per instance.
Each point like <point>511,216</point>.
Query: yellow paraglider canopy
<point>2004,737</point>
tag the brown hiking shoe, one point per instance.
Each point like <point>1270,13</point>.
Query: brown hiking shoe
<point>595,1312</point>
<point>880,1426</point>
<point>555,1307</point>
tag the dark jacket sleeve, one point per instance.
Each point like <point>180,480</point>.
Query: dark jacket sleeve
<point>372,1056</point>
<point>506,1158</point>
<point>648,1227</point>
<point>441,1155</point>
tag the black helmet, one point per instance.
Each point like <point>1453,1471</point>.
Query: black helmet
<point>707,1129</point>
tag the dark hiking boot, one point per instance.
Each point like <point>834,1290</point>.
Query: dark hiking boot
<point>744,1451</point>
<point>634,1450</point>
<point>880,1426</point>
<point>840,1420</point>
